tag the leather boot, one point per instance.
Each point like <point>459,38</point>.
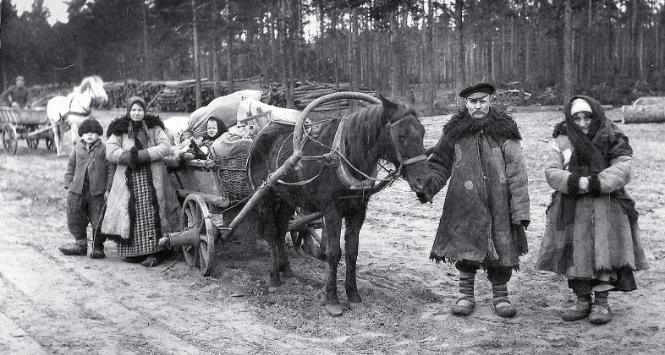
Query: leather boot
<point>600,311</point>
<point>80,248</point>
<point>502,306</point>
<point>579,310</point>
<point>465,304</point>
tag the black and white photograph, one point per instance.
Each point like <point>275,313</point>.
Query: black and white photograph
<point>332,177</point>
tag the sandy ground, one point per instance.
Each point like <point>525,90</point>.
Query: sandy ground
<point>50,303</point>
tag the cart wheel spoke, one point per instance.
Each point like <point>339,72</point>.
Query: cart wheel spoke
<point>10,139</point>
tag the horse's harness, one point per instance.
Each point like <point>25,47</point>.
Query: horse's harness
<point>64,118</point>
<point>337,157</point>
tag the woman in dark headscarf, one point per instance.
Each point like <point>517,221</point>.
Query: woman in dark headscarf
<point>591,234</point>
<point>141,205</point>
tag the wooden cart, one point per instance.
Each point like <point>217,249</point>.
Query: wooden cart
<point>217,199</point>
<point>29,124</point>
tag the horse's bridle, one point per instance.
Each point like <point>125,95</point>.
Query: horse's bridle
<point>393,136</point>
<point>85,113</point>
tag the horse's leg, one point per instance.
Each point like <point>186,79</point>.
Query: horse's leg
<point>56,138</point>
<point>283,216</point>
<point>354,221</point>
<point>331,232</point>
<point>267,211</point>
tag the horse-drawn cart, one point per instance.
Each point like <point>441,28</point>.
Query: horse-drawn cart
<point>29,124</point>
<point>217,197</point>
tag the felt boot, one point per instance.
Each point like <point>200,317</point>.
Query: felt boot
<point>579,310</point>
<point>152,261</point>
<point>465,304</point>
<point>97,252</point>
<point>600,311</point>
<point>80,248</point>
<point>502,306</point>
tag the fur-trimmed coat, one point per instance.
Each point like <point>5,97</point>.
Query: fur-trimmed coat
<point>117,218</point>
<point>603,237</point>
<point>487,202</point>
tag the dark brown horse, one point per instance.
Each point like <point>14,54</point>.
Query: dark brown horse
<point>387,131</point>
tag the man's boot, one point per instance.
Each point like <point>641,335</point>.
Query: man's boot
<point>600,311</point>
<point>579,310</point>
<point>502,305</point>
<point>79,248</point>
<point>465,304</point>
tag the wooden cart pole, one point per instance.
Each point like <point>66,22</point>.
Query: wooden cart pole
<point>288,165</point>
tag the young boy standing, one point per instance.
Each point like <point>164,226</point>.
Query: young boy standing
<point>86,179</point>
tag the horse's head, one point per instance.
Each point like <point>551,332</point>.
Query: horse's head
<point>94,86</point>
<point>406,142</point>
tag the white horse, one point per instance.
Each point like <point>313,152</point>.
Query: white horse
<point>68,112</point>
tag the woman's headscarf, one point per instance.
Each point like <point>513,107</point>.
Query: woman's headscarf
<point>137,130</point>
<point>136,100</point>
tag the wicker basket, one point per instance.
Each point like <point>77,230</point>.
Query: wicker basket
<point>232,177</point>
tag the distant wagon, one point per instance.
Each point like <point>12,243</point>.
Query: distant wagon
<point>29,124</point>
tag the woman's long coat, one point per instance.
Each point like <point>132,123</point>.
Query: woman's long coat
<point>603,237</point>
<point>117,216</point>
<point>487,199</point>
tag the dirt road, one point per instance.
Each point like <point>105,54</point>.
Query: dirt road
<point>57,304</point>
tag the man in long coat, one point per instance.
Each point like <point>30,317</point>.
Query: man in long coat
<point>487,204</point>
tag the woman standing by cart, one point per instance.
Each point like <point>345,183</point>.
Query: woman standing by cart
<point>141,205</point>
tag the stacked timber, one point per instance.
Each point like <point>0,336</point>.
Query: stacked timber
<point>305,93</point>
<point>648,109</point>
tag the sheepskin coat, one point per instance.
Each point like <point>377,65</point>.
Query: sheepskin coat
<point>117,217</point>
<point>487,201</point>
<point>603,236</point>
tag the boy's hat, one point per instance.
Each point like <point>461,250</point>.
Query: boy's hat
<point>90,125</point>
<point>477,91</point>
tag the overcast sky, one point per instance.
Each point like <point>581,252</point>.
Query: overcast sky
<point>57,8</point>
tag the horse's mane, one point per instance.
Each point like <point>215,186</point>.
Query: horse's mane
<point>87,82</point>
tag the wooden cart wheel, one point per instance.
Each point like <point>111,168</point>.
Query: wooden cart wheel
<point>50,145</point>
<point>32,142</point>
<point>309,239</point>
<point>195,213</point>
<point>10,139</point>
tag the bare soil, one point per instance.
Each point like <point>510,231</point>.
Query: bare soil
<point>52,303</point>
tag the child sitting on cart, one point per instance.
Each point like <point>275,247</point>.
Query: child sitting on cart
<point>87,181</point>
<point>199,147</point>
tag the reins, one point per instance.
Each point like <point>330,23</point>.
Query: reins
<point>338,157</point>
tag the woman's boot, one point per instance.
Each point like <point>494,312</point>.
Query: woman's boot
<point>600,311</point>
<point>579,310</point>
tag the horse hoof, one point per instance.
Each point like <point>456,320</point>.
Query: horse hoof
<point>354,298</point>
<point>334,310</point>
<point>287,272</point>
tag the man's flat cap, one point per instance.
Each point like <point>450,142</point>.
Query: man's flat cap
<point>477,91</point>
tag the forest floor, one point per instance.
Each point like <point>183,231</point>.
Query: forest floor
<point>50,303</point>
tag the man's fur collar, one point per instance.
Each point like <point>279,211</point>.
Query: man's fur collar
<point>120,125</point>
<point>497,124</point>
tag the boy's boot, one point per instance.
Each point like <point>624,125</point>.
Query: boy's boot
<point>98,240</point>
<point>579,310</point>
<point>97,251</point>
<point>80,248</point>
<point>600,311</point>
<point>502,305</point>
<point>465,303</point>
